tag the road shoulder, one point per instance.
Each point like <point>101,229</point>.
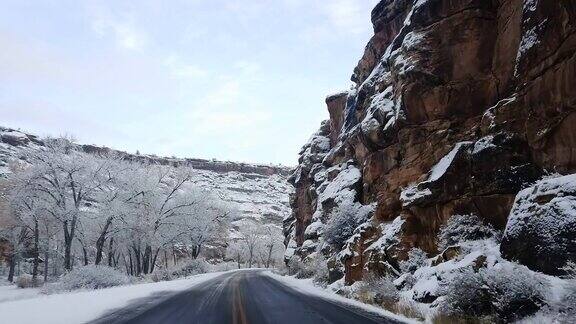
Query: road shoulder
<point>308,288</point>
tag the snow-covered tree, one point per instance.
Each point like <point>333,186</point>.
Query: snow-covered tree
<point>75,206</point>
<point>271,246</point>
<point>236,251</point>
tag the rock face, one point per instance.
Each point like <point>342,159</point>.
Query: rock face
<point>457,106</point>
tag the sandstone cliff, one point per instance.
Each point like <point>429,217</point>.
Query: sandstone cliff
<point>457,106</point>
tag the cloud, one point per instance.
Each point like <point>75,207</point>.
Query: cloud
<point>347,15</point>
<point>246,67</point>
<point>336,18</point>
<point>23,59</point>
<point>195,78</point>
<point>121,27</point>
<point>225,95</point>
<point>179,69</point>
<point>228,110</point>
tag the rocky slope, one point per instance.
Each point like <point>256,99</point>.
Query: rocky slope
<point>456,107</point>
<point>258,192</point>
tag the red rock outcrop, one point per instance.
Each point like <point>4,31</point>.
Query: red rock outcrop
<point>457,106</point>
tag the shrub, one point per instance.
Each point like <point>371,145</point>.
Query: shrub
<point>92,277</point>
<point>319,267</point>
<point>508,291</point>
<point>343,221</point>
<point>315,266</point>
<point>379,290</point>
<point>460,228</point>
<point>467,295</point>
<point>564,311</point>
<point>295,266</point>
<point>305,271</point>
<point>570,270</point>
<point>416,259</point>
<point>191,268</point>
<point>567,305</point>
<point>405,282</point>
<point>25,281</point>
<point>160,275</point>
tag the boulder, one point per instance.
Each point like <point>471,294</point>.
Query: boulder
<point>14,138</point>
<point>541,229</point>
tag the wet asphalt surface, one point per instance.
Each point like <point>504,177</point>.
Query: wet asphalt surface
<point>242,297</point>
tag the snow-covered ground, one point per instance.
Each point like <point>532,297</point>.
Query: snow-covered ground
<point>80,307</point>
<point>9,292</point>
<point>307,287</point>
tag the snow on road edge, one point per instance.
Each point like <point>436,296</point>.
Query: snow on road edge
<point>307,287</point>
<point>83,306</point>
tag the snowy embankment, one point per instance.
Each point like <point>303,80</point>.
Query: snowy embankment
<point>9,292</point>
<point>306,286</point>
<point>83,306</point>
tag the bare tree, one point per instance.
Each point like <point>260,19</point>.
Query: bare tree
<point>272,245</point>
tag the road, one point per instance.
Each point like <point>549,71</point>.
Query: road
<point>242,297</point>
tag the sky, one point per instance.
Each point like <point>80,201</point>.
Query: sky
<point>238,80</point>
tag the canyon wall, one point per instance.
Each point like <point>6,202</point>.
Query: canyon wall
<point>457,105</point>
<point>259,193</point>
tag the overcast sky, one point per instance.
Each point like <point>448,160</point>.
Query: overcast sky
<point>241,80</point>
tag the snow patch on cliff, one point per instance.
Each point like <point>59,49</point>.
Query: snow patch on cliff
<point>442,166</point>
<point>346,179</point>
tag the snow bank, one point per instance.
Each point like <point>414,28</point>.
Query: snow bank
<point>11,293</point>
<point>80,307</point>
<point>308,288</point>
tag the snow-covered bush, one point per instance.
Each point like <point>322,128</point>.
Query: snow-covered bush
<point>416,259</point>
<point>160,275</point>
<point>343,221</point>
<point>507,291</point>
<point>562,310</point>
<point>314,266</point>
<point>91,277</point>
<point>25,281</point>
<point>461,228</point>
<point>192,267</point>
<point>570,270</point>
<point>567,305</point>
<point>295,265</point>
<point>306,270</point>
<point>405,282</point>
<point>319,266</point>
<point>224,266</point>
<point>378,290</point>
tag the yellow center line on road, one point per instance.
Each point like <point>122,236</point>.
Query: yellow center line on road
<point>238,312</point>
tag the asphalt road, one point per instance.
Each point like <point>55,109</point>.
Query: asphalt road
<point>242,297</point>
